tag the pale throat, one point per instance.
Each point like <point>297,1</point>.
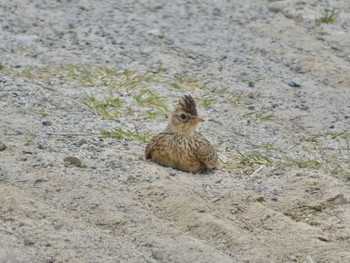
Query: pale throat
<point>186,130</point>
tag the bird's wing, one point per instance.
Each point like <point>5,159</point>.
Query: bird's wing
<point>152,143</point>
<point>206,153</point>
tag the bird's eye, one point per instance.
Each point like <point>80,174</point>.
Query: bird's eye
<point>183,117</point>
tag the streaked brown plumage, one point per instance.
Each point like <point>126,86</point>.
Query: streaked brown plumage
<point>180,146</point>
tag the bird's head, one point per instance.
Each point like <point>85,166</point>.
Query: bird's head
<point>184,118</point>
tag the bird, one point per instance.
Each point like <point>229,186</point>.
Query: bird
<point>180,146</point>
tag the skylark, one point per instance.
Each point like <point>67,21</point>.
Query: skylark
<point>180,146</point>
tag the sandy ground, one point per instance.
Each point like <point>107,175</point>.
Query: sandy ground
<point>95,79</point>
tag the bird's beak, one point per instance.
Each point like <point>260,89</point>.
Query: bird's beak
<point>197,120</point>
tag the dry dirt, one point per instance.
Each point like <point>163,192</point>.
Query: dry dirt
<point>95,79</point>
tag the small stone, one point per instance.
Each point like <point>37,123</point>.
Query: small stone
<point>38,163</point>
<point>218,181</point>
<point>46,123</point>
<point>295,83</point>
<point>73,160</point>
<point>274,197</point>
<point>314,176</point>
<point>80,142</point>
<point>28,242</point>
<point>58,226</point>
<point>217,11</point>
<point>304,107</point>
<point>131,178</point>
<point>158,254</point>
<point>92,148</point>
<point>277,172</point>
<point>40,180</point>
<point>41,147</point>
<point>251,84</point>
<point>172,173</point>
<point>2,146</point>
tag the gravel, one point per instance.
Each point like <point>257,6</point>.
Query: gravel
<point>272,86</point>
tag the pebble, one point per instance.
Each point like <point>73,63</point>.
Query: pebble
<point>274,197</point>
<point>93,148</point>
<point>295,83</point>
<point>41,147</point>
<point>131,178</point>
<point>3,175</point>
<point>251,84</point>
<point>276,172</point>
<point>2,146</point>
<point>304,107</point>
<point>73,160</point>
<point>172,173</point>
<point>46,123</point>
<point>217,11</point>
<point>80,142</point>
<point>314,176</point>
<point>28,242</point>
<point>218,181</point>
<point>158,254</point>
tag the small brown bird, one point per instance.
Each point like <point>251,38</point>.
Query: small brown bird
<point>180,146</point>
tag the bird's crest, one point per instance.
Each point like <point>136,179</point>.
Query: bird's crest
<point>187,104</point>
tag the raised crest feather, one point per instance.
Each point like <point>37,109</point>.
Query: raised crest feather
<point>187,104</point>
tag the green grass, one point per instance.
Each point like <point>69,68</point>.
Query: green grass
<point>185,81</point>
<point>250,159</point>
<point>107,107</point>
<point>262,115</point>
<point>175,85</point>
<point>328,18</point>
<point>120,133</point>
<point>27,74</point>
<point>43,113</point>
<point>342,134</point>
<point>104,76</point>
<point>185,78</point>
<point>269,146</point>
<point>153,114</point>
<point>207,102</point>
<point>253,79</point>
<point>247,162</point>
<point>148,98</point>
<point>115,82</point>
<point>307,163</point>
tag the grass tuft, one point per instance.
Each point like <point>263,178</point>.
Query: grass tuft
<point>207,102</point>
<point>328,18</point>
<point>148,98</point>
<point>253,158</point>
<point>262,115</point>
<point>120,133</point>
<point>107,107</point>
